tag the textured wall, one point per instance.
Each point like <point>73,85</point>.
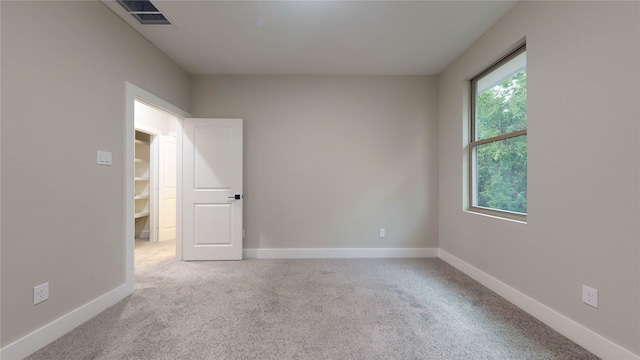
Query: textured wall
<point>584,188</point>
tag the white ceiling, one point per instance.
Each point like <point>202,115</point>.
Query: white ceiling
<point>317,37</point>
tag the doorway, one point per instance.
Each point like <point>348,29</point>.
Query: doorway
<point>153,133</point>
<point>154,184</point>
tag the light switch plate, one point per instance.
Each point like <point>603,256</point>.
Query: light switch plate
<point>104,158</point>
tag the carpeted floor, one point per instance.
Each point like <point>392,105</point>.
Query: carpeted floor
<point>308,309</point>
<point>152,253</point>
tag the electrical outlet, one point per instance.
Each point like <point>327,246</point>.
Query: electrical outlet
<point>590,296</point>
<point>381,233</point>
<point>40,293</point>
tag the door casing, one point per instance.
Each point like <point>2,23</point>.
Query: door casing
<point>133,92</point>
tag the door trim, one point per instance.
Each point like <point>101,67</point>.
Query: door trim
<point>133,92</point>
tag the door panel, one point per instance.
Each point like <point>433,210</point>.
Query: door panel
<point>212,176</point>
<point>167,168</point>
<point>212,224</point>
<point>213,166</point>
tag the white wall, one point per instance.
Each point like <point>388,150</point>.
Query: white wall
<point>150,117</point>
<point>330,159</point>
<point>64,67</point>
<point>584,186</point>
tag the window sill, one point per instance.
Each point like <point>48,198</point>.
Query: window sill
<point>500,215</point>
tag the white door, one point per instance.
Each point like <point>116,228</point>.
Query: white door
<point>210,167</point>
<point>167,167</point>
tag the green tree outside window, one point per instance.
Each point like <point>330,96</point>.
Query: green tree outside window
<point>500,142</point>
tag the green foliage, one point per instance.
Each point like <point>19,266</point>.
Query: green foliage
<point>501,171</point>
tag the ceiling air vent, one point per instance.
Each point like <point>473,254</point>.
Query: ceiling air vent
<point>144,11</point>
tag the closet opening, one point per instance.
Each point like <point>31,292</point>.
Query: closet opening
<point>155,181</point>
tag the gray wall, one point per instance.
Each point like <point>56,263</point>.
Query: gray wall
<point>64,67</point>
<point>584,189</point>
<point>330,159</point>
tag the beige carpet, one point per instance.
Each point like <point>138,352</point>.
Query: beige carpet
<point>151,253</point>
<point>308,309</point>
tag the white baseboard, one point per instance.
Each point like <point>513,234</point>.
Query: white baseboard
<point>38,339</point>
<point>335,253</point>
<point>579,334</point>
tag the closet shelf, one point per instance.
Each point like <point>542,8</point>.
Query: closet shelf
<point>141,214</point>
<point>142,187</point>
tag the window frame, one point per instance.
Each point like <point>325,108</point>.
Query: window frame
<point>473,144</point>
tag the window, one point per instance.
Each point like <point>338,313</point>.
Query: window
<point>498,138</point>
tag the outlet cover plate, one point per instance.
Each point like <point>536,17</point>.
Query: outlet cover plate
<point>40,293</point>
<point>590,296</point>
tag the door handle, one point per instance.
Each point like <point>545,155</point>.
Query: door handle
<point>236,197</point>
